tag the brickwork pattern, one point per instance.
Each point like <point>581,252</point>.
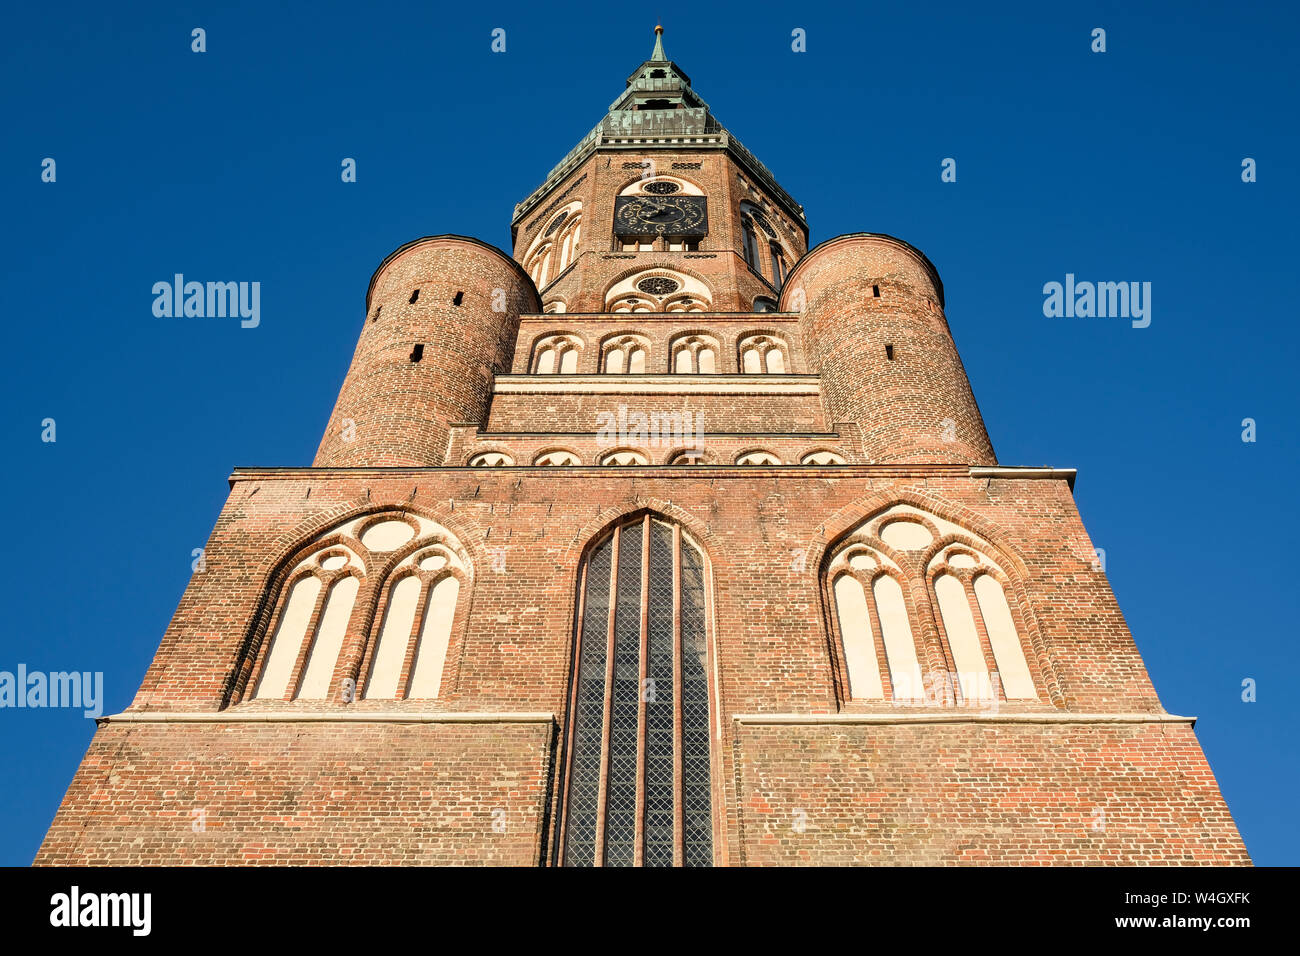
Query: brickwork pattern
<point>872,316</point>
<point>301,794</point>
<point>395,410</point>
<point>996,795</point>
<point>524,448</point>
<point>719,262</point>
<point>765,533</point>
<point>660,330</point>
<point>441,373</point>
<point>580,413</point>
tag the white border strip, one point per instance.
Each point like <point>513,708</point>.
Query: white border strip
<point>323,716</point>
<point>959,718</point>
<point>657,385</point>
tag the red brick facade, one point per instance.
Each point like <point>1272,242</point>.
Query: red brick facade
<point>213,764</point>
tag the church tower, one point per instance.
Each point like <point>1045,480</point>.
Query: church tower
<point>661,540</point>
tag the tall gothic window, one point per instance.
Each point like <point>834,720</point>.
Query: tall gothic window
<point>410,652</point>
<point>983,638</point>
<point>556,247</point>
<point>778,264</point>
<point>748,243</point>
<point>873,619</point>
<point>752,224</point>
<point>639,784</point>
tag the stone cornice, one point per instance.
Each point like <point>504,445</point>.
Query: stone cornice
<point>1012,472</point>
<point>957,717</point>
<point>598,140</point>
<point>236,716</point>
<point>610,318</point>
<point>655,384</point>
<point>881,471</point>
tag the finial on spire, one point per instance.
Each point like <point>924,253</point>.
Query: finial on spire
<point>658,53</point>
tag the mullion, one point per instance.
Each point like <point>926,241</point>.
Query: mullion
<point>659,733</point>
<point>621,786</point>
<point>697,838</point>
<point>582,814</point>
<point>678,828</point>
<point>644,689</point>
<point>639,785</point>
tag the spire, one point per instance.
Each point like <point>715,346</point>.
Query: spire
<point>658,110</point>
<point>658,54</point>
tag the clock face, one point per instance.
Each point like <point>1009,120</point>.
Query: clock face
<point>660,216</point>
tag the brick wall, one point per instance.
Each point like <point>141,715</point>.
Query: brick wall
<point>720,413</point>
<point>660,330</point>
<point>719,262</point>
<point>764,531</point>
<point>719,449</point>
<point>874,326</point>
<point>1001,795</point>
<point>305,794</point>
<point>394,409</point>
<point>879,381</point>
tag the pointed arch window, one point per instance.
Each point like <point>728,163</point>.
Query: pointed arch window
<point>624,457</point>
<point>556,247</point>
<point>410,651</point>
<point>822,457</point>
<point>491,459</point>
<point>695,354</point>
<point>310,628</point>
<point>749,242</point>
<point>762,354</point>
<point>570,236</point>
<point>556,353</point>
<point>557,458</point>
<point>983,637</point>
<point>752,221</point>
<point>658,290</point>
<point>880,654</point>
<point>539,266</point>
<point>904,567</point>
<point>624,354</point>
<point>778,264</point>
<point>639,779</point>
<point>315,645</point>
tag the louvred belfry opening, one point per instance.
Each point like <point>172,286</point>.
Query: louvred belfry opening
<point>639,780</point>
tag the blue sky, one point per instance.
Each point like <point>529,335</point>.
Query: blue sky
<point>1122,166</point>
